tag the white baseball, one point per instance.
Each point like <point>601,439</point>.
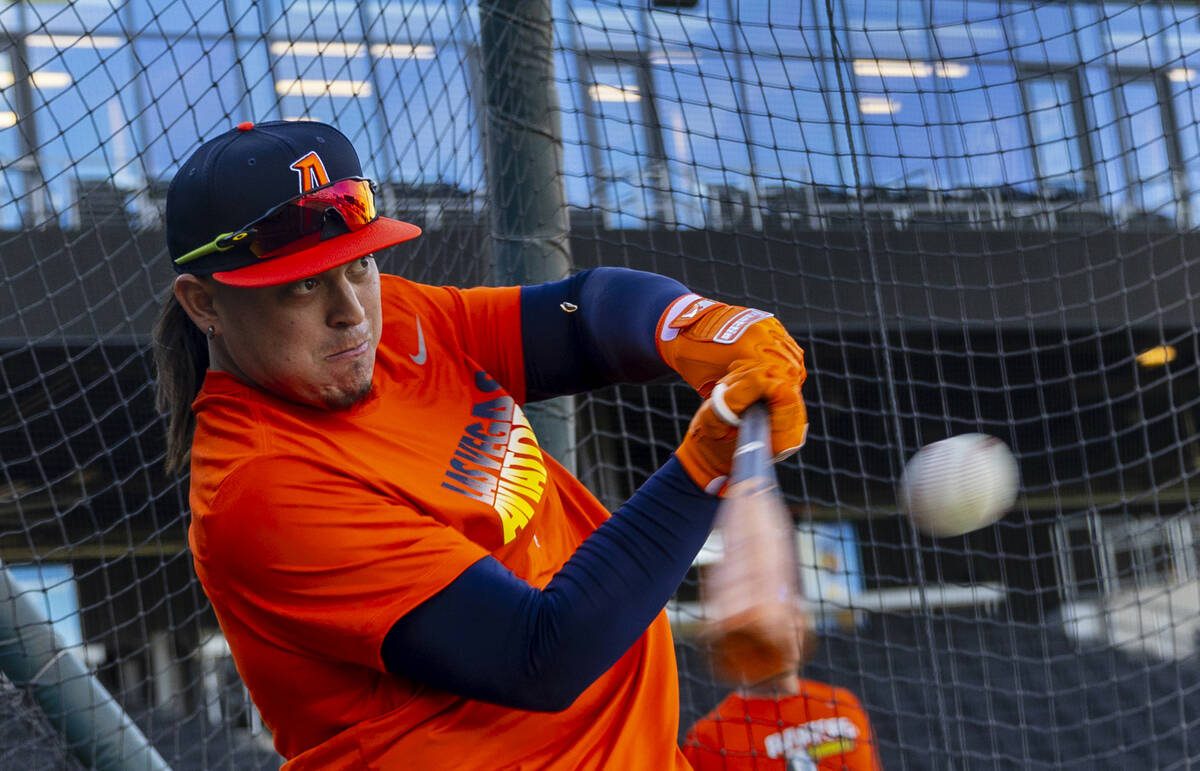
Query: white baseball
<point>959,484</point>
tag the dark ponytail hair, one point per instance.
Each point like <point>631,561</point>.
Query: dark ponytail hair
<point>181,359</point>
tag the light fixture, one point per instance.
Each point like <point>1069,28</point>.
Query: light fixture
<point>877,105</point>
<point>1157,356</point>
<point>40,79</point>
<point>601,92</point>
<point>402,51</point>
<point>316,48</point>
<point>61,42</point>
<point>903,68</point>
<point>891,68</point>
<point>317,87</point>
<point>951,70</point>
<point>44,79</point>
<point>676,57</point>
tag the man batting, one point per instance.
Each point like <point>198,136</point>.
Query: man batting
<point>405,579</point>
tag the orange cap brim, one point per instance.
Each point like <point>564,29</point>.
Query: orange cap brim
<point>380,234</point>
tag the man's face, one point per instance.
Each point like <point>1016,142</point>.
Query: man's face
<point>312,341</point>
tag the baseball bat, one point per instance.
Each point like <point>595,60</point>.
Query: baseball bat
<point>753,611</point>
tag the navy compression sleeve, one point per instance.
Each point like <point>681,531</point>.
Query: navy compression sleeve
<point>609,339</point>
<point>491,636</point>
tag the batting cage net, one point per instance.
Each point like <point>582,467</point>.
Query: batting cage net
<point>974,216</point>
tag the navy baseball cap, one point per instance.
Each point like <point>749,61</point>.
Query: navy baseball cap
<point>270,203</point>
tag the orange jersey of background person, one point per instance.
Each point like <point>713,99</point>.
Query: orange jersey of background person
<point>820,727</point>
<point>385,504</point>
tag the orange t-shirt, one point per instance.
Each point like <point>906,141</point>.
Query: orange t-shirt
<point>821,727</point>
<point>313,531</point>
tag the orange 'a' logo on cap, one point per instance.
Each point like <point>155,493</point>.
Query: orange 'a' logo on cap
<point>312,172</point>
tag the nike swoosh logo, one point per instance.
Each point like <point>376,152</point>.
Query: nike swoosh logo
<point>419,357</point>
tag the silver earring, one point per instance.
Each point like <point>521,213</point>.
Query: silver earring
<point>211,332</point>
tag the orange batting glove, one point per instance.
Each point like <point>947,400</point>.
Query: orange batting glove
<point>707,342</point>
<point>706,452</point>
<point>704,339</point>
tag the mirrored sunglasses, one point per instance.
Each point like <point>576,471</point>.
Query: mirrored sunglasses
<point>302,217</point>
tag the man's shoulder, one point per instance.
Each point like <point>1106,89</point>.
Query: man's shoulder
<point>401,295</point>
<point>827,693</point>
<point>390,282</point>
<point>448,311</point>
<point>393,286</point>
<point>227,410</point>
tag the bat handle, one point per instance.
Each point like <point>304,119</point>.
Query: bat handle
<point>753,456</point>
